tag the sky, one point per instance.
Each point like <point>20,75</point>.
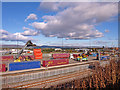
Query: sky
<point>51,23</point>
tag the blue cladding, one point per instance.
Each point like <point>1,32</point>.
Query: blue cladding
<point>24,65</point>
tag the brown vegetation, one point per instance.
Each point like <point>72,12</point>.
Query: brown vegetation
<point>102,77</point>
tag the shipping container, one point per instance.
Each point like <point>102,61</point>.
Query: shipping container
<point>104,57</point>
<point>94,54</point>
<point>62,55</point>
<point>6,58</point>
<point>24,65</point>
<point>37,50</point>
<point>2,68</point>
<point>37,53</point>
<point>55,62</point>
<point>38,56</point>
<point>30,57</point>
<point>75,55</point>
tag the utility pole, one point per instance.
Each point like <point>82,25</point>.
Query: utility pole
<point>17,46</point>
<point>99,55</point>
<point>62,43</point>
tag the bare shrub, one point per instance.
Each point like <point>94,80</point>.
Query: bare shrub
<point>102,77</point>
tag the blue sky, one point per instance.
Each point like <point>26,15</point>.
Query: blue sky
<point>80,24</point>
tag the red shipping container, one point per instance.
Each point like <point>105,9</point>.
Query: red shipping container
<point>6,58</point>
<point>2,68</point>
<point>62,55</point>
<point>28,52</point>
<point>75,55</point>
<point>55,62</point>
<point>31,57</point>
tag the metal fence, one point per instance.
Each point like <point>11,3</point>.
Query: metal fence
<point>42,74</point>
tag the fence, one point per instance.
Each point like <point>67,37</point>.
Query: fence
<point>42,74</point>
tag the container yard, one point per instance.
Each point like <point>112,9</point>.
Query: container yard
<point>59,45</point>
<point>42,70</point>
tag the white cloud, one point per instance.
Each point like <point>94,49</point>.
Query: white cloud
<point>107,31</point>
<point>6,36</point>
<point>3,32</point>
<point>31,17</point>
<point>101,42</point>
<point>55,6</point>
<point>29,32</point>
<point>25,28</point>
<point>38,25</point>
<point>77,21</point>
<point>49,6</point>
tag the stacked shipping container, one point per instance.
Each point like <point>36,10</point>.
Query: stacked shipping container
<point>58,59</point>
<point>37,53</point>
<point>2,68</point>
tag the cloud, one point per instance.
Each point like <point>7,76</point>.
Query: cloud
<point>101,42</point>
<point>49,6</point>
<point>107,31</point>
<point>29,32</point>
<point>76,20</point>
<point>25,28</point>
<point>6,36</point>
<point>38,25</point>
<point>31,17</point>
<point>55,6</point>
<point>3,32</point>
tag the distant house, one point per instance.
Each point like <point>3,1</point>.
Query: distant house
<point>58,49</point>
<point>82,50</point>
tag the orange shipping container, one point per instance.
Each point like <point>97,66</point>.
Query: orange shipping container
<point>37,54</point>
<point>37,50</point>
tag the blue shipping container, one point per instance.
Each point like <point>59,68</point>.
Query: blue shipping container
<point>24,65</point>
<point>94,55</point>
<point>104,58</point>
<point>108,57</point>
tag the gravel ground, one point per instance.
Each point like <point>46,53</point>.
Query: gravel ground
<point>48,58</point>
